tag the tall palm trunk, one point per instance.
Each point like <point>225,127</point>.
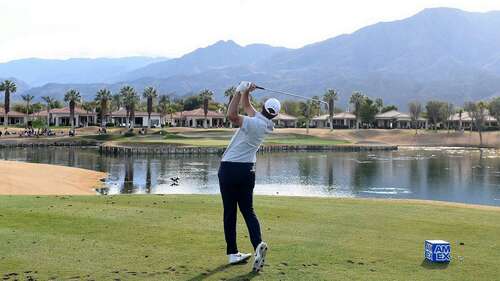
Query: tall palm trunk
<point>331,108</point>
<point>104,106</point>
<point>72,114</point>
<point>205,111</point>
<point>6,108</point>
<point>132,118</point>
<point>48,117</point>
<point>150,109</point>
<point>27,113</point>
<point>127,117</point>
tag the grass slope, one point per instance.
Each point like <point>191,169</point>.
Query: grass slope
<point>214,138</point>
<point>180,238</point>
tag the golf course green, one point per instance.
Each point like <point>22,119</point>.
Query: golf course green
<point>180,237</point>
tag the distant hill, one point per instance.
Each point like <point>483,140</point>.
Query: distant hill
<point>37,72</point>
<point>439,53</point>
<point>21,86</point>
<point>220,55</point>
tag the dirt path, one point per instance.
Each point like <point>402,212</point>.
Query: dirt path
<point>19,178</point>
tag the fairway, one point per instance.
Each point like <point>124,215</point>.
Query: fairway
<point>181,238</point>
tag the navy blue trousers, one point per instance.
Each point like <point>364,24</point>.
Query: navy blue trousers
<point>236,181</point>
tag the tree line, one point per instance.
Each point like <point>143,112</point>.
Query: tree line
<point>362,106</point>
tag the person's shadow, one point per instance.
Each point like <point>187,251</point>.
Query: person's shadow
<point>205,275</point>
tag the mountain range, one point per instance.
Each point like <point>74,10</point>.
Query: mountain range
<point>439,53</point>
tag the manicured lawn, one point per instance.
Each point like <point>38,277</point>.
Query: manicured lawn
<point>222,138</point>
<point>180,237</point>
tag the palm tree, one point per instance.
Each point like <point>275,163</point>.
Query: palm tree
<point>27,98</point>
<point>103,96</point>
<point>7,87</point>
<point>206,95</point>
<point>49,101</point>
<point>116,102</point>
<point>330,97</point>
<point>357,99</point>
<point>460,112</point>
<point>72,97</point>
<point>130,100</point>
<point>415,111</point>
<point>150,94</point>
<point>89,106</point>
<point>163,104</point>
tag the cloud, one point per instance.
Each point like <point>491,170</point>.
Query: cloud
<point>114,28</point>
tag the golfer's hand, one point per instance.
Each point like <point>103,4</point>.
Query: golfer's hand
<point>245,87</point>
<point>252,87</point>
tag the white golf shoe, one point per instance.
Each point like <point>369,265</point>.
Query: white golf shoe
<point>260,257</point>
<point>238,257</point>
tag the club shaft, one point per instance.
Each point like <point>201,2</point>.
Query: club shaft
<point>290,94</point>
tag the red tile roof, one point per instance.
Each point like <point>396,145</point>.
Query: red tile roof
<point>12,113</point>
<point>198,113</point>
<point>65,110</point>
<point>123,113</point>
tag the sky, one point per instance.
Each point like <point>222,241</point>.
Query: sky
<point>170,28</point>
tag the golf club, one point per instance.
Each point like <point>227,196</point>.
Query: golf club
<point>293,95</point>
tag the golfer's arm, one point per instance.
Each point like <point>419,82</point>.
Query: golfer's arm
<point>233,115</point>
<point>247,105</point>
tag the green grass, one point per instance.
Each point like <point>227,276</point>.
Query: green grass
<point>181,238</point>
<point>222,138</point>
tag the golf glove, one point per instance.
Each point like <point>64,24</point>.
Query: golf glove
<point>243,87</point>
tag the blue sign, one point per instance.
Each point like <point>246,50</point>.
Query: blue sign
<point>437,251</point>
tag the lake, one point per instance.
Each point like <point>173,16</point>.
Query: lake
<point>447,174</point>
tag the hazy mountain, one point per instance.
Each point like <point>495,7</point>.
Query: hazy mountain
<point>37,72</point>
<point>217,56</point>
<point>21,86</point>
<point>438,53</point>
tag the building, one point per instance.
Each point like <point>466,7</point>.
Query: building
<point>284,120</point>
<point>343,120</point>
<point>394,119</point>
<point>464,121</point>
<point>119,118</point>
<point>13,117</point>
<point>61,117</point>
<point>195,118</point>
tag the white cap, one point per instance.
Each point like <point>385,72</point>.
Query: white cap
<point>272,106</point>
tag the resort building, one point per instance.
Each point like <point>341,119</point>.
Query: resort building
<point>394,119</point>
<point>61,117</point>
<point>464,121</point>
<point>343,120</point>
<point>13,117</point>
<point>119,118</point>
<point>284,120</point>
<point>195,118</point>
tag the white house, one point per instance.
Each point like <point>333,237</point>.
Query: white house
<point>61,116</point>
<point>464,121</point>
<point>344,120</point>
<point>140,118</point>
<point>195,118</point>
<point>394,119</point>
<point>284,120</point>
<point>13,117</point>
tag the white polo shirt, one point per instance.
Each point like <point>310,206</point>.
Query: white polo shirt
<point>247,139</point>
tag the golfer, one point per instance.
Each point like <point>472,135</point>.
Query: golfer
<point>237,171</point>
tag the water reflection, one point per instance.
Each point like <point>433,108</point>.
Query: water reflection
<point>460,175</point>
